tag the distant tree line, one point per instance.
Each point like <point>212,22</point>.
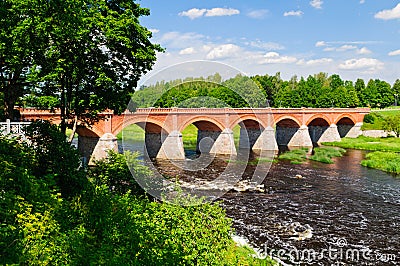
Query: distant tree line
<point>318,91</point>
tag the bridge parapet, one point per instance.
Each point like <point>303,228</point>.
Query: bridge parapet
<point>13,128</point>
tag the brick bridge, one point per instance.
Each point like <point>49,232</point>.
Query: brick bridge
<point>261,129</point>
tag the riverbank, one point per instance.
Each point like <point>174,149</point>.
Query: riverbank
<point>389,144</point>
<point>385,157</point>
<point>320,154</point>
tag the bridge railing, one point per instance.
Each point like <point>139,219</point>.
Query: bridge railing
<point>13,128</point>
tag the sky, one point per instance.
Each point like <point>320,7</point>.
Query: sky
<point>352,38</point>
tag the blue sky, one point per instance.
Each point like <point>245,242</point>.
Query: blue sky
<point>352,38</point>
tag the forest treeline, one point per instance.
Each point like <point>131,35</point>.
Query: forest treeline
<point>318,91</point>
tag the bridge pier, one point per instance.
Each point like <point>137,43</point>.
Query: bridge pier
<point>95,148</point>
<point>301,138</point>
<point>172,147</point>
<point>355,131</point>
<point>266,141</point>
<point>330,134</point>
<point>206,140</point>
<point>153,144</point>
<point>225,143</point>
<point>248,137</point>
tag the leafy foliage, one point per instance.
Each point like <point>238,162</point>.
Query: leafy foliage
<point>102,222</point>
<point>392,124</point>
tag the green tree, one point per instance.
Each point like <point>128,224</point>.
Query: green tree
<point>99,52</point>
<point>392,124</point>
<point>21,37</point>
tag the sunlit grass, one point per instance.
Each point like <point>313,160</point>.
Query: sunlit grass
<point>368,143</point>
<point>325,154</point>
<point>385,161</point>
<point>297,156</point>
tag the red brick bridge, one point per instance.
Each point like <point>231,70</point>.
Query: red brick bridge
<point>261,128</point>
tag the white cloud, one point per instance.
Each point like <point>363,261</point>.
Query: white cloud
<point>394,53</point>
<point>364,50</point>
<point>223,51</point>
<point>316,3</point>
<point>346,47</point>
<point>258,14</point>
<point>213,12</point>
<point>193,13</point>
<point>369,64</point>
<point>320,44</point>
<point>389,13</point>
<point>269,46</point>
<point>297,13</point>
<point>218,12</point>
<point>362,1</point>
<point>275,58</point>
<point>187,51</point>
<point>315,62</point>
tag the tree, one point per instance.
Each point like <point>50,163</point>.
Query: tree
<point>96,54</point>
<point>21,36</point>
<point>392,124</point>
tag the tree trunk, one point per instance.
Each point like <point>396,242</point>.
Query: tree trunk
<point>71,137</point>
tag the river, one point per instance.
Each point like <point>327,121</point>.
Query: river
<point>337,214</point>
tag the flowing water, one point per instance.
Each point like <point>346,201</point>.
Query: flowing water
<point>336,214</point>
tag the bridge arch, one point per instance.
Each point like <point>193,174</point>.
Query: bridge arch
<point>203,123</point>
<point>345,123</point>
<point>317,126</point>
<point>208,131</point>
<point>152,125</point>
<point>250,130</point>
<point>285,128</point>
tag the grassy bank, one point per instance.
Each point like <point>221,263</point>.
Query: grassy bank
<point>374,121</point>
<point>325,154</point>
<point>391,144</point>
<point>385,161</point>
<point>321,154</point>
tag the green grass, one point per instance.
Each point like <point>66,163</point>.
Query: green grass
<point>380,115</point>
<point>243,255</point>
<point>368,143</point>
<point>385,161</point>
<point>297,156</point>
<point>325,154</point>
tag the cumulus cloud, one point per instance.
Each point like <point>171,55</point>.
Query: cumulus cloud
<point>214,12</point>
<point>223,51</point>
<point>320,44</point>
<point>187,51</point>
<point>389,13</point>
<point>363,50</point>
<point>315,62</point>
<point>394,53</point>
<point>297,13</point>
<point>369,64</point>
<point>258,14</point>
<point>275,58</point>
<point>316,4</point>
